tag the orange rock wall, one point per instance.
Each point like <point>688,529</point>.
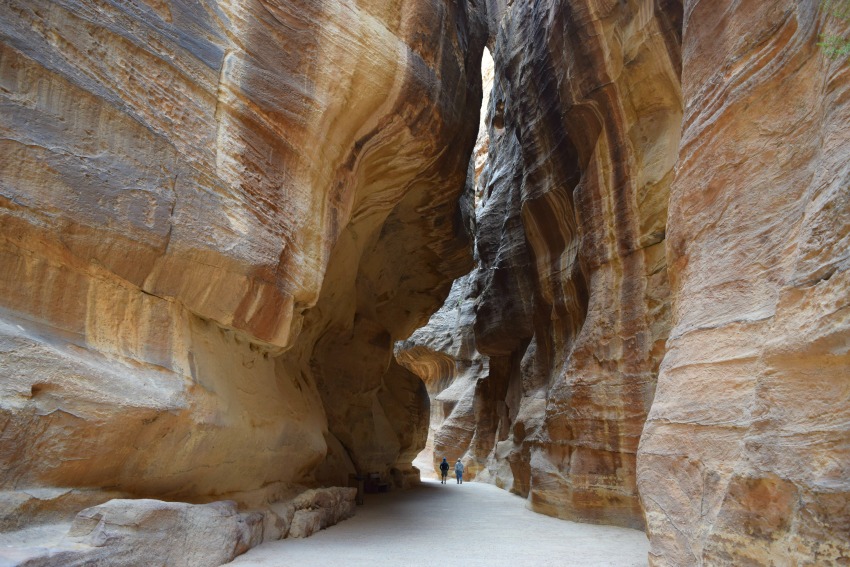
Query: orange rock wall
<point>615,233</point>
<point>216,219</point>
<point>219,217</point>
<point>745,459</point>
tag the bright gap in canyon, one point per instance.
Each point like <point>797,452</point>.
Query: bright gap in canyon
<point>265,263</point>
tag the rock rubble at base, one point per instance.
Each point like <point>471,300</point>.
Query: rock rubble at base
<point>123,532</point>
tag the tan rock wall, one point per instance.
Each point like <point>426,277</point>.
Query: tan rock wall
<point>444,355</point>
<point>182,186</point>
<point>218,219</point>
<point>745,459</point>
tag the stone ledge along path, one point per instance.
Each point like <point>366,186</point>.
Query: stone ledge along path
<point>472,524</point>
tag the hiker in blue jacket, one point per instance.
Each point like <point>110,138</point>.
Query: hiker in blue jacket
<point>444,468</point>
<point>459,471</point>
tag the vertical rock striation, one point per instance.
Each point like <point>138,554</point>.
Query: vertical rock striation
<point>746,455</point>
<point>543,363</point>
<point>217,217</point>
<point>570,293</point>
<point>223,221</point>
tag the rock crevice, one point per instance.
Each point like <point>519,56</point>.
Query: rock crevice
<point>227,229</point>
<point>570,302</point>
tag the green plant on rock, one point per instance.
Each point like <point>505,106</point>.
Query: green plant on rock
<point>835,45</point>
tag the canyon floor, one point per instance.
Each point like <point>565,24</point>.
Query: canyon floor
<point>470,524</point>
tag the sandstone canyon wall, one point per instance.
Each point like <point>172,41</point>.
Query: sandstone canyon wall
<point>217,217</point>
<point>542,364</point>
<point>745,459</point>
<point>563,322</point>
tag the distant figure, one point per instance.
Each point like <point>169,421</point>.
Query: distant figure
<point>444,468</point>
<point>459,471</point>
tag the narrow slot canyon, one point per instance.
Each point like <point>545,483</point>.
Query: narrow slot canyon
<point>260,257</point>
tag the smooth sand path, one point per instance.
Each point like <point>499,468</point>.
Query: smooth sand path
<point>467,525</point>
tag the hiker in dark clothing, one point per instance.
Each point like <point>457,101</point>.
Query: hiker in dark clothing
<point>444,468</point>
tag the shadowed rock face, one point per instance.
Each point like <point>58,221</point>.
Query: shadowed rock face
<point>558,336</point>
<point>217,218</point>
<point>568,310</point>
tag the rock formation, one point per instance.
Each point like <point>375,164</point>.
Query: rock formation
<point>543,362</point>
<point>121,532</point>
<point>745,459</point>
<point>565,317</point>
<point>130,532</point>
<point>217,219</point>
<point>222,223</point>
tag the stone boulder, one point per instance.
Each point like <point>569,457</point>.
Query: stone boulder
<point>315,510</point>
<point>20,508</point>
<point>125,532</point>
<point>152,532</point>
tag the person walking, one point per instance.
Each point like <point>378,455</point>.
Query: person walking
<point>459,471</point>
<point>444,468</point>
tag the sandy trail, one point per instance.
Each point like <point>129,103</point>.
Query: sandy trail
<point>470,525</point>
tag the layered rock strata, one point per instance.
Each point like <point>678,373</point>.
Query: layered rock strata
<point>217,217</point>
<point>560,329</point>
<point>745,459</point>
<point>583,274</point>
<point>443,353</point>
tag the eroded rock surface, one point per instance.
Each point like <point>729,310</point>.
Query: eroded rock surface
<point>123,532</point>
<point>562,324</point>
<point>542,364</point>
<point>746,455</point>
<point>152,532</point>
<point>217,218</point>
<point>141,531</point>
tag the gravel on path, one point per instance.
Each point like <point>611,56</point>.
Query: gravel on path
<point>471,524</point>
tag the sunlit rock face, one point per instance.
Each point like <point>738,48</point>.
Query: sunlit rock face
<point>746,455</point>
<point>217,217</point>
<point>565,317</point>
